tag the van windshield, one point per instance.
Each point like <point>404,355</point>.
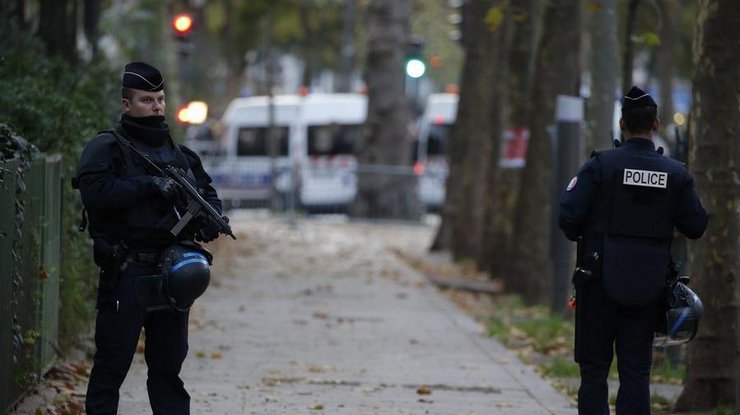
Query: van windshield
<point>252,141</point>
<point>332,139</point>
<point>438,138</point>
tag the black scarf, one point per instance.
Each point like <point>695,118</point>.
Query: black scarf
<point>152,130</point>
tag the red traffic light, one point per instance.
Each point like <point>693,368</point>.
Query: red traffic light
<point>182,23</point>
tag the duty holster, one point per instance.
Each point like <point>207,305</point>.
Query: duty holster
<point>109,258</point>
<point>588,265</point>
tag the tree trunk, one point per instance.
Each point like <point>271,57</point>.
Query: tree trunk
<point>50,18</point>
<point>347,55</point>
<point>69,47</point>
<point>304,11</point>
<point>557,72</point>
<point>604,58</point>
<point>385,182</point>
<point>629,46</point>
<point>472,120</point>
<point>492,203</point>
<point>91,19</point>
<point>470,138</point>
<point>712,361</point>
<point>58,27</point>
<point>496,243</point>
<point>665,62</point>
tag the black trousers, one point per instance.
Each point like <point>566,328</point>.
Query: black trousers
<point>602,327</point>
<point>119,322</point>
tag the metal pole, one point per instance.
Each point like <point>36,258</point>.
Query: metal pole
<point>348,50</point>
<point>272,144</point>
<point>567,153</point>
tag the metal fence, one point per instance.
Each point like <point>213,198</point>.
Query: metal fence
<point>30,234</point>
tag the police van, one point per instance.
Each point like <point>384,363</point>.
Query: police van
<point>431,152</point>
<point>433,144</point>
<point>316,135</point>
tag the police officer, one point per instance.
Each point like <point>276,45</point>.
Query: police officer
<point>131,211</point>
<point>622,208</point>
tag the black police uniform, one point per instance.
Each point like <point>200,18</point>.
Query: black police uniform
<point>623,206</point>
<point>130,225</point>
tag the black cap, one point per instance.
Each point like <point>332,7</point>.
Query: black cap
<point>142,76</point>
<point>637,98</point>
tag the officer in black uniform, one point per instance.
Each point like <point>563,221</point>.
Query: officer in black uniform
<point>131,211</point>
<point>622,208</point>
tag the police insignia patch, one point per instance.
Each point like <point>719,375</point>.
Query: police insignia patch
<point>572,183</point>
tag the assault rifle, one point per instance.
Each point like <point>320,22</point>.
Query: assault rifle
<point>196,207</point>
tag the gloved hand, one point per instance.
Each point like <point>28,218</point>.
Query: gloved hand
<point>210,230</point>
<point>166,187</point>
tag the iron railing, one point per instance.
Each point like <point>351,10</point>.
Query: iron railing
<point>30,235</point>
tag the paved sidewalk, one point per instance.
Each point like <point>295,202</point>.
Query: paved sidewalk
<point>324,319</point>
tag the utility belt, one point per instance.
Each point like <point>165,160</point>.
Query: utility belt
<point>113,258</point>
<point>144,257</point>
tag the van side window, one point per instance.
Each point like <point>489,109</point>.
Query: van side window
<point>252,141</point>
<point>333,139</point>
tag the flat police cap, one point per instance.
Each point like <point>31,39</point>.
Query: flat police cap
<point>142,76</point>
<point>637,98</point>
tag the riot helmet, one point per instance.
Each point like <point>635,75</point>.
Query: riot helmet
<point>185,276</point>
<point>683,312</point>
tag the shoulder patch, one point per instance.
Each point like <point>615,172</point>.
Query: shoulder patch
<point>572,183</point>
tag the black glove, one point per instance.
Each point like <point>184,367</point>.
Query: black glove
<point>210,230</point>
<point>167,188</point>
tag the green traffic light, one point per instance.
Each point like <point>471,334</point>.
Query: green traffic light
<point>415,68</point>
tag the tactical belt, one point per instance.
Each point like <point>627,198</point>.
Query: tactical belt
<point>143,257</point>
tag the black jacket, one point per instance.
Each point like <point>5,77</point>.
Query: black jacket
<point>625,203</point>
<point>121,199</point>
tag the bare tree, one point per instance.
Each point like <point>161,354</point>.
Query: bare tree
<point>557,72</point>
<point>386,187</point>
<point>712,364</point>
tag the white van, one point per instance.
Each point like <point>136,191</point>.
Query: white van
<point>316,136</point>
<point>431,157</point>
<point>331,125</point>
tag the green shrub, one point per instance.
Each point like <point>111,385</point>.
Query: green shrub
<point>59,107</point>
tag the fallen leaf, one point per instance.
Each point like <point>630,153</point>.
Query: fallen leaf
<point>318,407</point>
<point>320,315</point>
<point>217,355</point>
<point>424,390</point>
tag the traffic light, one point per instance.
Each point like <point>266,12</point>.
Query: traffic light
<point>182,25</point>
<point>415,65</point>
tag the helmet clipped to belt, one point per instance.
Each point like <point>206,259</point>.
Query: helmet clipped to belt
<point>682,316</point>
<point>185,276</point>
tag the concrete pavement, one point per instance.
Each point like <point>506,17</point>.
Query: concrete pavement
<point>322,318</point>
